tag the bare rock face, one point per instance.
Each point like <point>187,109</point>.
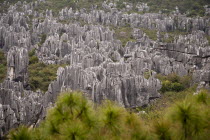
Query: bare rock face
<point>18,106</point>
<point>152,21</point>
<point>17,62</point>
<point>115,83</point>
<point>97,62</point>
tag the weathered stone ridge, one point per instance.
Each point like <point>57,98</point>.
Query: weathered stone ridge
<point>152,21</point>
<point>17,61</point>
<point>18,106</point>
<point>97,63</point>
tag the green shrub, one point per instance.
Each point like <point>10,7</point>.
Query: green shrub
<point>208,38</point>
<point>3,66</point>
<point>147,74</point>
<point>166,86</point>
<point>32,52</point>
<point>40,74</point>
<point>152,34</point>
<point>43,38</point>
<point>189,122</point>
<point>173,82</point>
<point>177,87</point>
<point>124,34</point>
<point>202,97</point>
<point>120,5</point>
<point>161,129</point>
<point>33,60</point>
<point>74,117</point>
<point>22,133</point>
<point>172,35</point>
<point>170,86</point>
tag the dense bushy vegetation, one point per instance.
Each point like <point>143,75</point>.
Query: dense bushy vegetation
<point>3,66</point>
<point>171,35</point>
<point>173,82</point>
<point>124,34</point>
<point>42,39</point>
<point>152,34</point>
<point>40,74</point>
<point>76,118</point>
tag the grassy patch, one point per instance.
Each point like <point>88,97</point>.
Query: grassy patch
<point>147,74</point>
<point>157,108</point>
<point>3,66</point>
<point>173,82</point>
<point>40,74</point>
<point>42,39</point>
<point>152,34</point>
<point>208,38</point>
<point>124,34</point>
<point>171,35</point>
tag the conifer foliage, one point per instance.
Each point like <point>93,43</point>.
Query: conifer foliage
<point>75,118</point>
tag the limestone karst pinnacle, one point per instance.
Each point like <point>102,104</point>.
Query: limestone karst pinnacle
<point>97,63</point>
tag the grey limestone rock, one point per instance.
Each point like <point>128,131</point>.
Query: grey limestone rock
<point>18,106</point>
<point>17,64</point>
<point>97,63</point>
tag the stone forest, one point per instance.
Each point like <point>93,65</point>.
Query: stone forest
<point>107,70</point>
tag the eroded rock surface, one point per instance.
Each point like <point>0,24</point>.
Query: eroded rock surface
<point>97,63</point>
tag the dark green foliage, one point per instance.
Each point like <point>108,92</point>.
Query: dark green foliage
<point>40,74</point>
<point>202,97</point>
<point>152,34</point>
<point>3,66</point>
<point>208,38</point>
<point>173,82</point>
<point>32,52</point>
<point>120,4</point>
<point>22,133</point>
<point>170,86</point>
<point>147,74</point>
<point>171,36</point>
<point>161,128</point>
<point>124,34</point>
<point>42,39</point>
<point>188,119</point>
<point>74,117</point>
<point>33,59</point>
<point>112,118</point>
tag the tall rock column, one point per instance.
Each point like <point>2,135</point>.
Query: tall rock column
<point>17,63</point>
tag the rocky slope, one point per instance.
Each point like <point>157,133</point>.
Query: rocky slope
<point>97,63</point>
